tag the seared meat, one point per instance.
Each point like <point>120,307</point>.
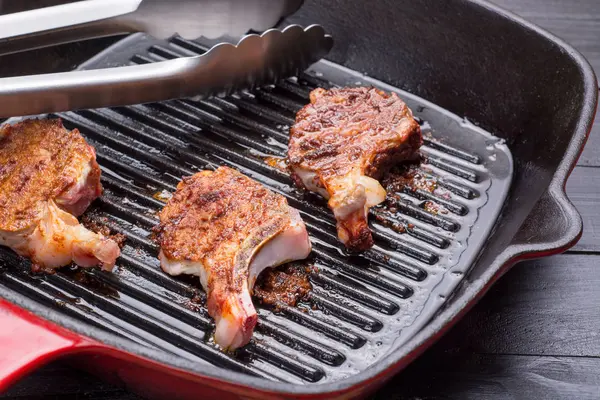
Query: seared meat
<point>48,175</point>
<point>227,228</point>
<point>342,142</point>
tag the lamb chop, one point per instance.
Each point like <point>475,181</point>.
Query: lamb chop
<point>342,143</point>
<point>48,176</point>
<point>227,228</point>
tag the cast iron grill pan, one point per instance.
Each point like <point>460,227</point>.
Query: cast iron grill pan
<point>362,306</point>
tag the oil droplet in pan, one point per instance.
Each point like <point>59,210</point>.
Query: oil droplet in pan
<point>163,196</point>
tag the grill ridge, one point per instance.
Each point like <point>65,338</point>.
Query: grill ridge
<point>411,250</point>
<point>360,305</point>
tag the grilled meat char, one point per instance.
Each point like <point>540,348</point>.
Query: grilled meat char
<point>342,143</point>
<point>48,176</point>
<point>227,228</point>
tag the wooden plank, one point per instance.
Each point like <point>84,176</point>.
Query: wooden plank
<point>579,9</point>
<point>591,151</point>
<point>542,307</point>
<point>583,188</point>
<point>439,375</point>
<point>518,342</point>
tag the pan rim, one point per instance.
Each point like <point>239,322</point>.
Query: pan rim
<point>396,360</point>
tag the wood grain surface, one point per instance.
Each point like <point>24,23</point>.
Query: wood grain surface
<point>536,334</point>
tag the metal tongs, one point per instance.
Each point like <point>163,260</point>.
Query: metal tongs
<point>225,68</point>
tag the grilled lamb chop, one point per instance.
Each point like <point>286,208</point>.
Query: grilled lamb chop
<point>341,144</point>
<point>48,176</point>
<point>227,228</point>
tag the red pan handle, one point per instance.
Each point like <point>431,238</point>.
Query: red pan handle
<point>27,341</point>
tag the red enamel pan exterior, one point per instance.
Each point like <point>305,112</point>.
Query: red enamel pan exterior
<point>472,58</point>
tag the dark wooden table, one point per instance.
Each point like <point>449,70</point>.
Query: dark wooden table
<point>536,334</point>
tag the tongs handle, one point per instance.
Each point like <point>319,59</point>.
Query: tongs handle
<point>225,68</point>
<point>62,16</point>
<point>48,93</point>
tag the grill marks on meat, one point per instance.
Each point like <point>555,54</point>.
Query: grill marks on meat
<point>342,143</point>
<point>227,228</point>
<point>48,176</point>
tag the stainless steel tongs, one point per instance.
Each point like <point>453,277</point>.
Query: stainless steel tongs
<point>225,68</point>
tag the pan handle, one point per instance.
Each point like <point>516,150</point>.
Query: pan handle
<point>27,341</point>
<point>541,235</point>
